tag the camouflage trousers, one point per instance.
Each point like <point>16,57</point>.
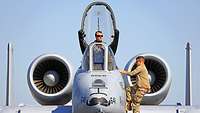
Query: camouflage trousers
<point>134,97</point>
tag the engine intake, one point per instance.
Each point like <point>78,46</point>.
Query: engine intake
<point>159,76</point>
<point>50,80</point>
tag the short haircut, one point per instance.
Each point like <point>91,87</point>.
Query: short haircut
<point>97,32</point>
<point>140,57</point>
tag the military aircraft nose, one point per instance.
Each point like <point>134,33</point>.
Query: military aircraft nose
<point>98,101</point>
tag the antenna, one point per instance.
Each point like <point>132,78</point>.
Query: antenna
<point>98,27</point>
<point>188,90</point>
<point>9,75</point>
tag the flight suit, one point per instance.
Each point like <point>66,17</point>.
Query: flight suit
<point>135,94</point>
<point>98,57</point>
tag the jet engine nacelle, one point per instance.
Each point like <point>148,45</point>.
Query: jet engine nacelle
<point>50,80</point>
<point>159,76</point>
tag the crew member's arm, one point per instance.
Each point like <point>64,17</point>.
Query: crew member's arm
<point>132,73</point>
<point>82,42</point>
<point>114,43</point>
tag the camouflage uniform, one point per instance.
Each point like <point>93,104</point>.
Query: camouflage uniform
<point>134,94</point>
<point>134,97</point>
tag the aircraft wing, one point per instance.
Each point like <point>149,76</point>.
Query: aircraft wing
<point>68,109</point>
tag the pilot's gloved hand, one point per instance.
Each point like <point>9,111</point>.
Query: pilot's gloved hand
<point>116,33</point>
<point>81,34</point>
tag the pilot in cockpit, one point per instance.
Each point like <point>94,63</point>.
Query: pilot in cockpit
<point>98,53</point>
<point>84,44</point>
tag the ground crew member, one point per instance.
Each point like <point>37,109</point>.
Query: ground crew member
<point>142,85</point>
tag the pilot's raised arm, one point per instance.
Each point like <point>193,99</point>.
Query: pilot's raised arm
<point>82,41</point>
<point>114,43</point>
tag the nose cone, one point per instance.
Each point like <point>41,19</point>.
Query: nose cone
<point>98,91</point>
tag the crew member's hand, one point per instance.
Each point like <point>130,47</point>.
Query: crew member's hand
<point>122,72</point>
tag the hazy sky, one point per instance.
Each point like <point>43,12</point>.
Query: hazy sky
<point>161,27</point>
